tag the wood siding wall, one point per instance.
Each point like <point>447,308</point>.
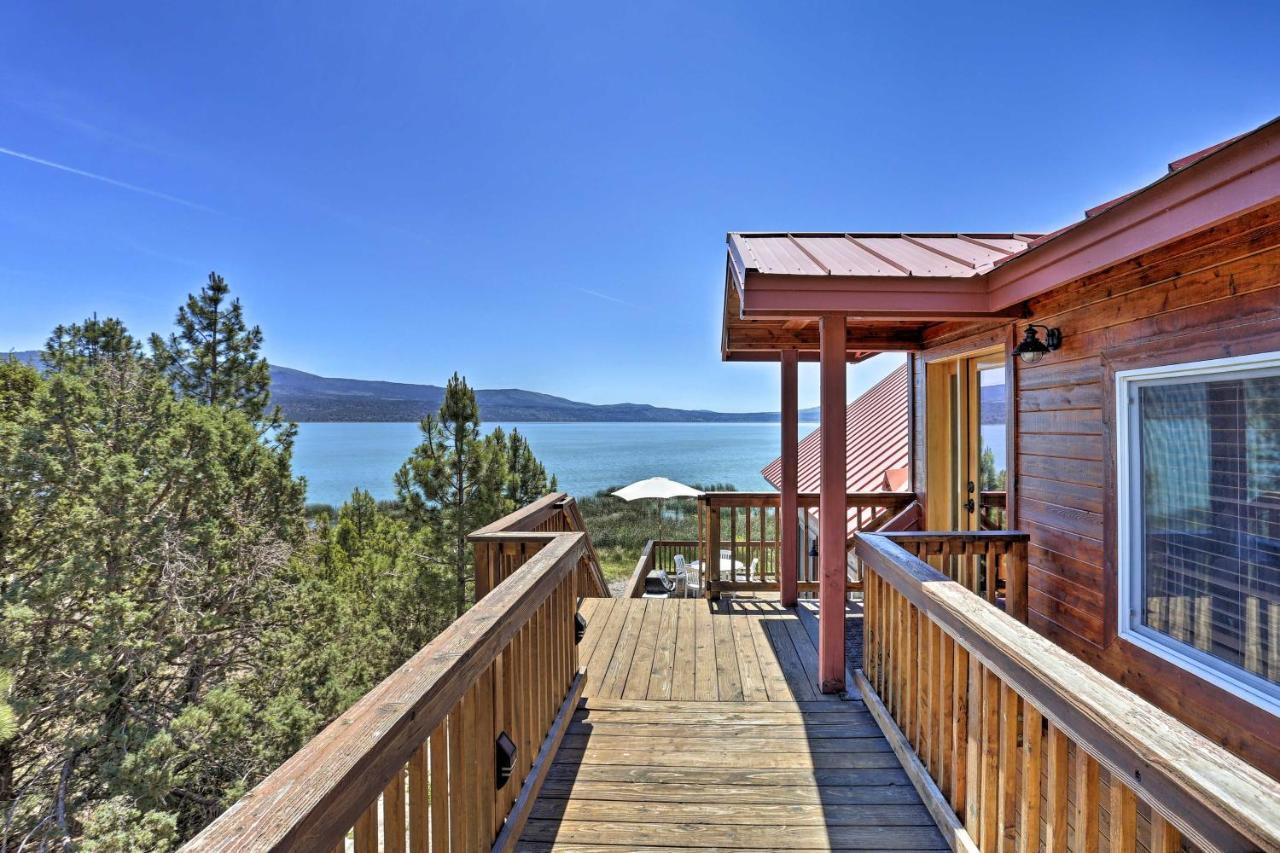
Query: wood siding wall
<point>1208,296</point>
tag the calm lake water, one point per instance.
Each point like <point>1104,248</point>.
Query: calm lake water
<point>586,457</point>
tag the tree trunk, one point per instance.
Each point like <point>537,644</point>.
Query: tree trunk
<point>460,525</point>
<point>6,774</point>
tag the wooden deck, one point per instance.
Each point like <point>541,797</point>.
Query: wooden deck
<point>700,728</point>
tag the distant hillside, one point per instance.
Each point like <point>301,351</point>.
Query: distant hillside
<point>994,405</point>
<point>308,397</point>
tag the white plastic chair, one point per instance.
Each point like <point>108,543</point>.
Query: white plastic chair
<point>686,576</point>
<point>727,562</point>
<point>751,572</point>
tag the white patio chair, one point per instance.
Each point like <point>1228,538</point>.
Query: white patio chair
<point>751,572</point>
<point>727,561</point>
<point>688,576</point>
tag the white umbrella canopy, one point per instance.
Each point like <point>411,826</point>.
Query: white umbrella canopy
<point>656,487</point>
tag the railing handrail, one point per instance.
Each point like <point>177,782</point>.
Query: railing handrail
<point>906,520</point>
<point>805,499</point>
<point>525,525</point>
<point>958,535</point>
<point>1214,798</point>
<point>312,799</point>
<point>526,518</point>
<point>644,565</point>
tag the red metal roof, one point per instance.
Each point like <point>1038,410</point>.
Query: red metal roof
<point>881,255</point>
<point>776,279</point>
<point>878,438</point>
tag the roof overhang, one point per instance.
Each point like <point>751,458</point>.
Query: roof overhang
<point>1229,180</point>
<point>891,287</point>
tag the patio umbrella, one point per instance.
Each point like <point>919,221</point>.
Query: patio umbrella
<point>658,488</point>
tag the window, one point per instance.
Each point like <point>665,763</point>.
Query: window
<point>1198,485</point>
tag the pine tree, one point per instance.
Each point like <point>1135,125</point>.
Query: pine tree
<point>526,476</point>
<point>85,345</point>
<point>454,481</point>
<point>214,356</point>
<point>145,548</point>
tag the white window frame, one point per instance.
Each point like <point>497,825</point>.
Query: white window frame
<point>1235,680</point>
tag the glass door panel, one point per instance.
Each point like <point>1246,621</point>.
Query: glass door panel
<point>966,441</point>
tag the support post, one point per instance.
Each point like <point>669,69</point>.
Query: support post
<point>788,574</point>
<point>831,505</point>
<point>711,568</point>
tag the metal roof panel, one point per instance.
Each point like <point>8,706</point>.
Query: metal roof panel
<point>878,441</point>
<point>919,260</point>
<point>855,255</point>
<point>845,257</point>
<point>781,255</point>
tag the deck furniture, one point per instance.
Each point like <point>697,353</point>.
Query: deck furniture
<point>658,585</point>
<point>683,576</point>
<point>727,565</point>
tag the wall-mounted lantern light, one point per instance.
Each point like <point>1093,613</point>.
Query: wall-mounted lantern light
<point>1031,349</point>
<point>504,759</point>
<point>579,628</point>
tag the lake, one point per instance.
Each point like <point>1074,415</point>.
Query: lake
<point>585,457</point>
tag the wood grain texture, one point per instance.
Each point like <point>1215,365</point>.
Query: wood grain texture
<point>759,760</point>
<point>1207,295</point>
<point>353,773</point>
<point>1215,800</point>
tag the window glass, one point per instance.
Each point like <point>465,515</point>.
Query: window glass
<point>993,475</point>
<point>1207,516</point>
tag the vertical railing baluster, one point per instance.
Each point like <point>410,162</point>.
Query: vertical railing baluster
<point>1056,831</point>
<point>960,730</point>
<point>1123,831</point>
<point>1032,767</point>
<point>393,814</point>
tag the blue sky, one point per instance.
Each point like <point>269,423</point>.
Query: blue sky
<point>536,194</point>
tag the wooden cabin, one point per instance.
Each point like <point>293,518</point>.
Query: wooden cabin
<point>1068,622</point>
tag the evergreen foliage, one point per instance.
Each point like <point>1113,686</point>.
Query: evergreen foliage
<point>457,480</point>
<point>173,623</point>
<point>214,355</point>
<point>989,478</point>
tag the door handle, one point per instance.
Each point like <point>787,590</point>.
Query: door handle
<point>969,505</point>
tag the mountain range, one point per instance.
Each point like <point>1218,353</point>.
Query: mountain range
<point>306,397</point>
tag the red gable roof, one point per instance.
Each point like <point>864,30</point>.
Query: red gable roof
<point>893,286</point>
<point>878,440</point>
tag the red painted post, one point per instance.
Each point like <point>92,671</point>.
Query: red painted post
<point>788,574</point>
<point>831,506</point>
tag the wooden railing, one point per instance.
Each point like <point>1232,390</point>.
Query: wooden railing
<point>1015,742</point>
<point>745,525</point>
<point>993,511</point>
<point>503,546</point>
<point>659,554</point>
<point>989,563</point>
<point>414,764</point>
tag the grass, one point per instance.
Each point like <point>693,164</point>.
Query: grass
<point>617,563</point>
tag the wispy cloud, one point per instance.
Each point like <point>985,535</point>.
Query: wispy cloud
<point>62,167</point>
<point>606,297</point>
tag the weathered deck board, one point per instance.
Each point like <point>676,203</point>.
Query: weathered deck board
<point>702,729</point>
